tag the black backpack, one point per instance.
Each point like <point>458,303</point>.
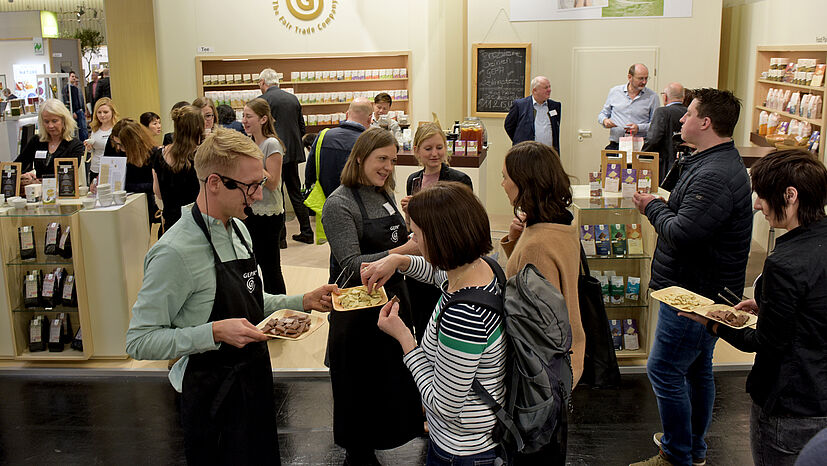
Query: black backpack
<point>538,372</point>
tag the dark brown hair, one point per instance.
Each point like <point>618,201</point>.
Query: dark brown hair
<point>544,189</point>
<point>188,123</point>
<point>773,173</point>
<point>721,107</point>
<point>450,241</point>
<point>136,142</point>
<point>374,138</point>
<point>383,97</point>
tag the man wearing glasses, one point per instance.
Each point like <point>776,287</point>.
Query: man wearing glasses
<point>200,300</point>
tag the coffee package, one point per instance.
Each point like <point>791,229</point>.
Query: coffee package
<point>66,323</point>
<point>77,342</point>
<point>631,336</point>
<point>64,245</point>
<point>55,335</point>
<point>618,232</point>
<point>47,293</point>
<point>617,334</point>
<point>31,289</point>
<point>69,295</point>
<point>634,239</point>
<point>603,243</point>
<point>38,334</point>
<point>587,239</point>
<point>52,236</point>
<point>27,248</point>
<point>616,289</point>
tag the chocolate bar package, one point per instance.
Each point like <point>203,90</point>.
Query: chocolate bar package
<point>26,236</point>
<point>613,178</point>
<point>595,184</point>
<point>604,288</point>
<point>631,336</point>
<point>603,241</point>
<point>617,334</point>
<point>634,239</point>
<point>633,288</point>
<point>616,289</point>
<point>644,181</point>
<point>618,232</point>
<point>64,245</point>
<point>587,239</point>
<point>629,182</point>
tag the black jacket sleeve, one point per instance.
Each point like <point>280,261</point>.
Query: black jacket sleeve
<point>512,119</point>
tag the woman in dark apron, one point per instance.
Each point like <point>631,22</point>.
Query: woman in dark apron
<point>227,408</point>
<point>376,404</point>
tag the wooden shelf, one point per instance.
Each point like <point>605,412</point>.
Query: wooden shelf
<point>329,81</point>
<point>818,123</point>
<point>626,354</point>
<point>321,104</point>
<point>796,86</point>
<point>68,354</point>
<point>242,85</point>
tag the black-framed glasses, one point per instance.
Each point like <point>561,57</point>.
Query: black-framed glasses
<point>230,183</point>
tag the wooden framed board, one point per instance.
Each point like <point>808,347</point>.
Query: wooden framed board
<point>66,174</point>
<point>10,172</point>
<point>501,73</point>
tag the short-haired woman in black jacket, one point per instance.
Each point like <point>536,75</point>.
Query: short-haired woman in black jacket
<point>788,382</point>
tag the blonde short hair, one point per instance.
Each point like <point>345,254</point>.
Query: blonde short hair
<point>56,107</point>
<point>426,131</point>
<point>353,174</point>
<point>220,150</point>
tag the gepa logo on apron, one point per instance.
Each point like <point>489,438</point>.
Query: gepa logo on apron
<point>251,281</point>
<point>395,233</point>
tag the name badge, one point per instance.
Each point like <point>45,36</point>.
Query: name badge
<point>40,154</point>
<point>389,208</point>
<point>552,113</point>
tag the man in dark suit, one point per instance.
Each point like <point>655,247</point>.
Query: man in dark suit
<point>666,122</point>
<point>103,89</point>
<point>77,107</point>
<point>536,117</point>
<point>289,123</point>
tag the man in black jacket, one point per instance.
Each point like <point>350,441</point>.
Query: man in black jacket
<point>665,123</point>
<point>103,88</point>
<point>289,124</point>
<point>704,233</point>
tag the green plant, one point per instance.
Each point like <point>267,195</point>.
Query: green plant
<point>90,43</point>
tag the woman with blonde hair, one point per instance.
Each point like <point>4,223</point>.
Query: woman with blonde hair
<point>376,404</point>
<point>136,142</point>
<point>55,137</point>
<point>104,117</point>
<point>175,181</point>
<point>207,107</point>
<point>267,217</point>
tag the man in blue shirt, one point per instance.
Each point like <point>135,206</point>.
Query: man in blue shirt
<point>629,107</point>
<point>536,117</point>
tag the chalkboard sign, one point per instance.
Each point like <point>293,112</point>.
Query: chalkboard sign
<point>501,74</point>
<point>11,172</point>
<point>66,172</point>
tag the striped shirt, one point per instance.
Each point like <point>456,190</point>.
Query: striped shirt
<point>470,345</point>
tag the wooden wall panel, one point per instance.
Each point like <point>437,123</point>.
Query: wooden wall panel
<point>133,74</point>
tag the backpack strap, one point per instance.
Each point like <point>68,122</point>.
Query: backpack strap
<point>502,415</point>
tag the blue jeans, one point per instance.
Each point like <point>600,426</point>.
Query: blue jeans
<point>680,370</point>
<point>83,133</point>
<point>777,441</point>
<point>439,457</point>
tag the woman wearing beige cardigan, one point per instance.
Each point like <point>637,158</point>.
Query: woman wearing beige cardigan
<point>542,232</point>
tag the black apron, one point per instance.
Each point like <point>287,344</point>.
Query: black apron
<point>376,404</point>
<point>227,406</point>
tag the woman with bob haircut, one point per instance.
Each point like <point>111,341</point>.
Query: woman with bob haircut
<point>56,128</point>
<point>104,118</point>
<point>788,382</point>
<point>469,343</point>
<point>376,404</point>
<point>543,233</point>
<point>174,178</point>
<point>136,142</point>
<point>207,107</point>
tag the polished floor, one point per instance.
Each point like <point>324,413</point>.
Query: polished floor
<point>133,419</point>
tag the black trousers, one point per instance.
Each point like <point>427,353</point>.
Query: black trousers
<point>290,177</point>
<point>613,145</point>
<point>264,231</point>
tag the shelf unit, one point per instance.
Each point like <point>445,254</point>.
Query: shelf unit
<point>15,268</point>
<point>613,209</point>
<point>762,86</point>
<point>288,63</point>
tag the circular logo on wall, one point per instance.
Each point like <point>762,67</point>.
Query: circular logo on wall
<point>305,16</point>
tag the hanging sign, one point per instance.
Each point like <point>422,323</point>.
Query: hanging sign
<point>305,16</point>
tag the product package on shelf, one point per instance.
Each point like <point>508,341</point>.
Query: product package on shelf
<point>631,338</point>
<point>617,334</point>
<point>64,245</point>
<point>634,239</point>
<point>55,335</point>
<point>77,342</point>
<point>595,185</point>
<point>27,247</point>
<point>31,288</point>
<point>52,236</point>
<point>69,293</point>
<point>644,181</point>
<point>66,322</point>
<point>587,239</point>
<point>604,288</point>
<point>47,294</point>
<point>612,178</point>
<point>38,333</point>
<point>629,182</point>
<point>633,288</point>
<point>618,232</point>
<point>617,289</point>
<point>603,242</point>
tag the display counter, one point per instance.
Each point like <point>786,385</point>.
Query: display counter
<point>108,245</point>
<point>473,166</point>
